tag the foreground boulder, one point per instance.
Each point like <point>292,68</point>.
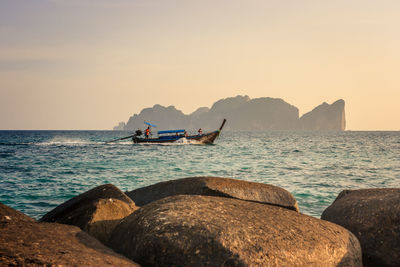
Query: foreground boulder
<point>96,211</point>
<point>193,230</point>
<point>373,215</point>
<point>10,215</point>
<point>25,242</point>
<point>216,186</point>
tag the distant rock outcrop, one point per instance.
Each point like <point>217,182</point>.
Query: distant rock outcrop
<point>120,126</point>
<point>373,215</point>
<point>188,230</point>
<point>199,112</point>
<point>164,117</point>
<point>325,117</point>
<point>243,113</point>
<point>216,186</point>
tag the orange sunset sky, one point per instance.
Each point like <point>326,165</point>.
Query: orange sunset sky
<point>86,64</point>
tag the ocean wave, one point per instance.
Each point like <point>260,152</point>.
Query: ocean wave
<point>15,143</point>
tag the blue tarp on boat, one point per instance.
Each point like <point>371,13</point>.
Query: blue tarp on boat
<point>171,131</point>
<point>148,123</point>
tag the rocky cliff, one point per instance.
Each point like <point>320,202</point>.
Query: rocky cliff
<point>243,113</point>
<point>325,117</point>
<point>163,117</point>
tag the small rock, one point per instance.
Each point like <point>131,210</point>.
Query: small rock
<point>96,211</point>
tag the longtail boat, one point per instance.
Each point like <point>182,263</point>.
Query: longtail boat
<point>172,136</point>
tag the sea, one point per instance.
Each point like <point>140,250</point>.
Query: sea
<point>42,169</point>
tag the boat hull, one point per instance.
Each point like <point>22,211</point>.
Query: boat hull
<point>201,139</point>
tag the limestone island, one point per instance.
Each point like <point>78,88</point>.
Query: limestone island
<point>243,113</point>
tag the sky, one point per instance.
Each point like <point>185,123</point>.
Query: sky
<point>87,65</point>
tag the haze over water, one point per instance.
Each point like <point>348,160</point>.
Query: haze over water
<point>41,169</point>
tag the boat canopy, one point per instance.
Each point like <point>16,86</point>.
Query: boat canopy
<point>171,131</point>
<point>148,123</point>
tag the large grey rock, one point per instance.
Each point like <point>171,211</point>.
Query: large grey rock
<point>216,186</point>
<point>25,242</point>
<point>96,211</point>
<point>373,215</point>
<point>214,231</point>
<point>325,117</point>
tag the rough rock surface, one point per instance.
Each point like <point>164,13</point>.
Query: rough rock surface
<point>25,242</point>
<point>373,215</point>
<point>325,117</point>
<point>216,186</point>
<point>192,230</point>
<point>9,215</point>
<point>96,211</point>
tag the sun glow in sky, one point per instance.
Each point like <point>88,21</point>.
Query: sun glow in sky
<point>86,64</point>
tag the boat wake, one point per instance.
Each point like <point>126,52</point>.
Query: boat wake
<point>185,141</point>
<point>62,141</point>
<point>179,142</point>
<point>182,141</point>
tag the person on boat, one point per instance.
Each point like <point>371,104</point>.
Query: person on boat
<point>185,134</point>
<point>138,132</point>
<point>200,131</point>
<point>147,132</point>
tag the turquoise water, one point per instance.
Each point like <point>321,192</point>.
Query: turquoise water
<point>41,169</point>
